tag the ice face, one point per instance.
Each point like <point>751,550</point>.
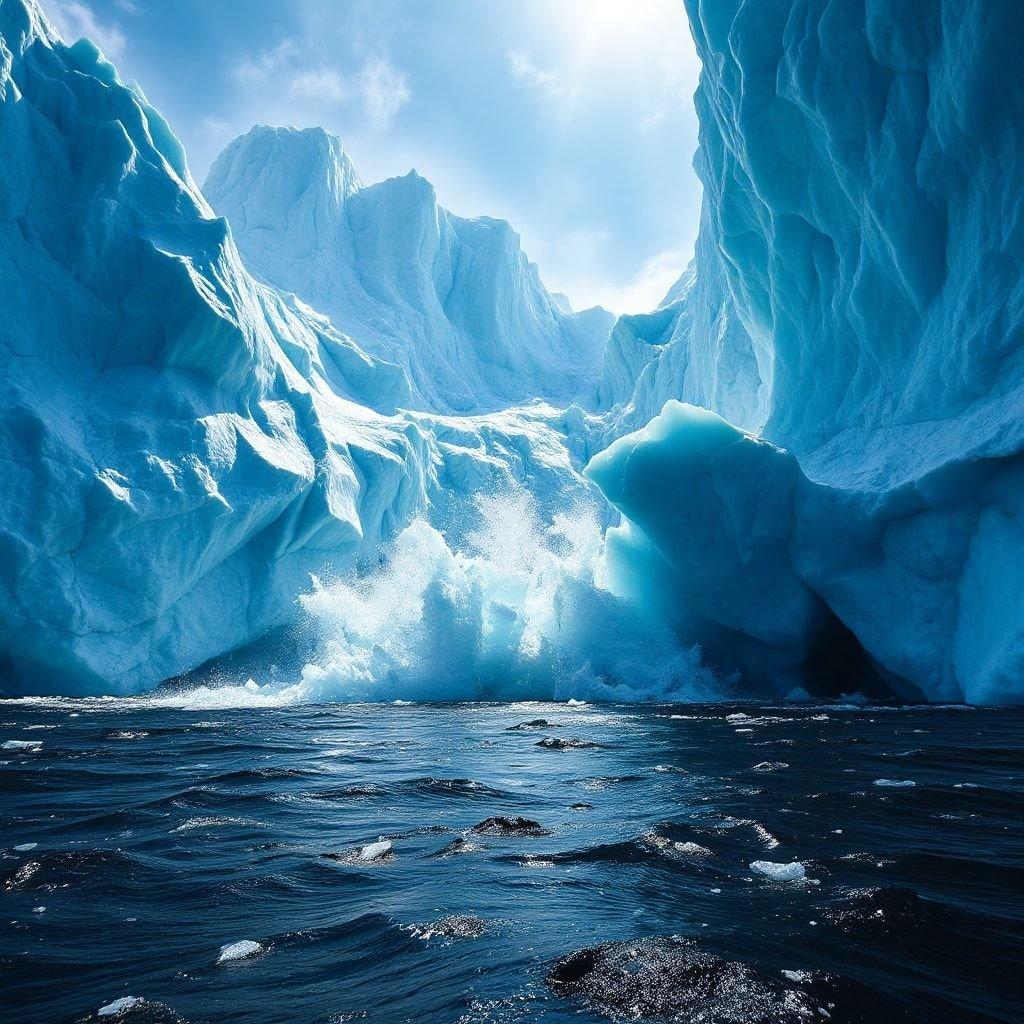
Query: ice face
<point>455,302</point>
<point>863,229</point>
<point>182,446</point>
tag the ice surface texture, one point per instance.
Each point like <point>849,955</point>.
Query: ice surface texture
<point>180,446</point>
<point>862,167</point>
<point>454,302</point>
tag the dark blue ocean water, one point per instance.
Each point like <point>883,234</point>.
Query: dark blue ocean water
<point>161,835</point>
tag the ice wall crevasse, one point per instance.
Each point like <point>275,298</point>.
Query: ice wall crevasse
<point>454,301</point>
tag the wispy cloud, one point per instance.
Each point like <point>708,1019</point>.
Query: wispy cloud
<point>639,293</point>
<point>260,67</point>
<point>380,88</point>
<point>214,127</point>
<point>323,84</point>
<point>74,19</point>
<point>384,90</point>
<point>527,73</point>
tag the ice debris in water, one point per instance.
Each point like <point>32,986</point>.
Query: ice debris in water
<point>238,950</point>
<point>895,783</point>
<point>779,872</point>
<point>25,847</point>
<point>119,1006</point>
<point>29,746</point>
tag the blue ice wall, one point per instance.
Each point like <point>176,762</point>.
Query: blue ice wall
<point>864,174</point>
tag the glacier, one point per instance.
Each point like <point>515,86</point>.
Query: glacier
<point>454,302</point>
<point>289,400</point>
<point>183,448</point>
<point>860,166</point>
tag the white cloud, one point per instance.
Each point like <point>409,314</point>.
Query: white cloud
<point>261,67</point>
<point>214,127</point>
<point>384,90</point>
<point>525,71</point>
<point>324,84</point>
<point>640,293</point>
<point>75,19</point>
<point>379,87</point>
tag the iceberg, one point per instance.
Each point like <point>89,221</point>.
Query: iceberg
<point>863,234</point>
<point>295,399</point>
<point>181,446</point>
<point>454,302</point>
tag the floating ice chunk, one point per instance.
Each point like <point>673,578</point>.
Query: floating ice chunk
<point>796,976</point>
<point>376,851</point>
<point>769,766</point>
<point>25,847</point>
<point>29,746</point>
<point>895,783</point>
<point>239,950</point>
<point>119,1006</point>
<point>779,872</point>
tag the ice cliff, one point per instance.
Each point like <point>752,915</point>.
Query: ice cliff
<point>862,167</point>
<point>181,446</point>
<point>454,302</point>
<point>212,426</point>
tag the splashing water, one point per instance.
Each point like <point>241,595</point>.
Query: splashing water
<point>521,611</point>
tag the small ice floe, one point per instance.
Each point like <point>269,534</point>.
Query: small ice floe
<point>895,783</point>
<point>793,872</point>
<point>128,734</point>
<point>238,950</point>
<point>965,785</point>
<point>796,976</point>
<point>119,1006</point>
<point>769,766</point>
<point>376,851</point>
<point>738,731</point>
<point>25,847</point>
<point>25,746</point>
<point>39,910</point>
<point>738,717</point>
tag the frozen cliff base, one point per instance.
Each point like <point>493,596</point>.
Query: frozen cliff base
<point>757,561</point>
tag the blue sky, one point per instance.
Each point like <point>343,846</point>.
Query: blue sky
<point>572,119</point>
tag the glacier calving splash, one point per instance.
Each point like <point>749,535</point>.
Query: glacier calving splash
<point>289,398</point>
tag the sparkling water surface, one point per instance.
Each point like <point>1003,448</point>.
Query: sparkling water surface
<point>142,841</point>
